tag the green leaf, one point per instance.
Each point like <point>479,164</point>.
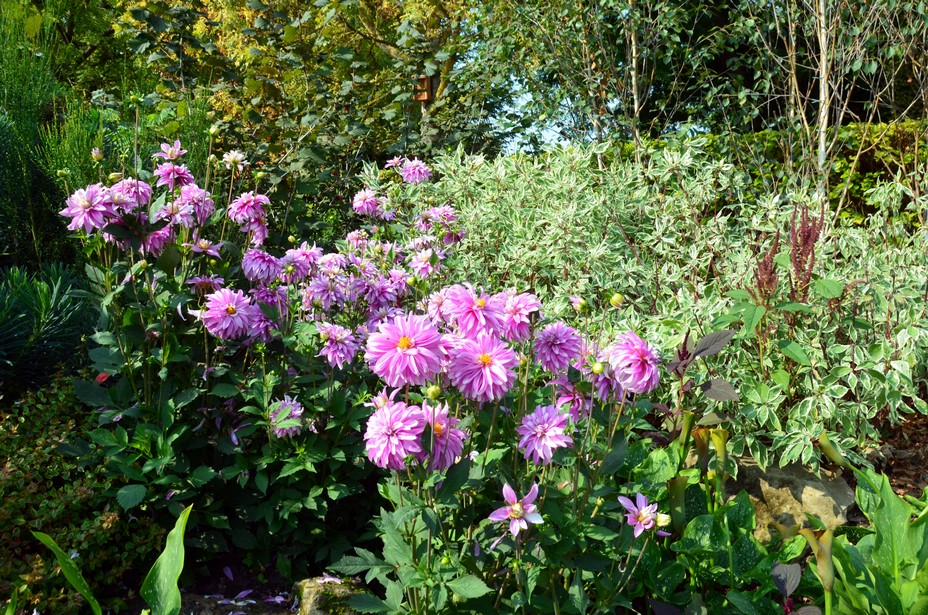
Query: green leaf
<point>366,603</point>
<point>828,289</point>
<point>160,589</point>
<point>91,394</point>
<point>201,476</point>
<point>615,458</point>
<point>795,352</point>
<point>752,316</point>
<point>578,597</point>
<point>468,587</point>
<point>71,571</point>
<point>131,496</point>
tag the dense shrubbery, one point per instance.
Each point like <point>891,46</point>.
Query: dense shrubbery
<point>831,316</point>
<point>44,488</point>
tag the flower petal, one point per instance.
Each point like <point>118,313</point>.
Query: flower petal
<point>531,495</point>
<point>509,495</point>
<point>629,506</point>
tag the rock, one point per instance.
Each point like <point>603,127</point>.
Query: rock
<point>782,495</point>
<point>325,596</point>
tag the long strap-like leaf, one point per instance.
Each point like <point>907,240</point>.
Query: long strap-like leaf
<point>160,587</point>
<point>71,572</point>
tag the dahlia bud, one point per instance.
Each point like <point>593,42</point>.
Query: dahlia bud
<point>291,239</point>
<point>62,173</point>
<point>214,130</point>
<point>598,368</point>
<point>260,175</point>
<point>616,300</point>
<point>114,177</point>
<point>433,392</point>
<point>96,154</point>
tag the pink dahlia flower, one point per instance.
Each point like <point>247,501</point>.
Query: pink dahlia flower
<point>447,439</point>
<point>256,229</point>
<point>170,152</point>
<point>293,267</point>
<point>324,291</point>
<point>519,513</point>
<point>421,263</point>
<point>482,369</point>
<point>285,417</point>
<point>339,345</point>
<point>248,206</point>
<point>405,351</point>
<point>474,311</point>
<point>437,305</point>
<point>89,208</point>
<point>173,175</point>
<point>635,363</point>
<point>641,515</point>
<point>177,213</point>
<point>394,162</point>
<point>155,241</point>
<point>556,346</point>
<point>517,316</point>
<point>415,171</point>
<point>204,246</point>
<point>136,191</point>
<point>259,266</point>
<point>541,432</point>
<point>205,284</point>
<point>367,203</point>
<point>393,433</point>
<point>199,199</point>
<point>567,394</point>
<point>228,314</point>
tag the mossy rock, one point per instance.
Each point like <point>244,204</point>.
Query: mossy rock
<point>326,596</point>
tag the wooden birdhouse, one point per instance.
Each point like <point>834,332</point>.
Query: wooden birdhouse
<point>424,90</point>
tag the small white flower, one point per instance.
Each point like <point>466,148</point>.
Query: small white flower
<point>235,158</point>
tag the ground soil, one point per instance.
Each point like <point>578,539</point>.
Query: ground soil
<point>904,455</point>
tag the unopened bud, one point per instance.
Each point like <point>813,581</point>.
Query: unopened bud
<point>616,300</point>
<point>114,177</point>
<point>96,154</point>
<point>663,520</point>
<point>135,99</point>
<point>598,368</point>
<point>214,130</point>
<point>433,392</point>
<point>260,175</point>
<point>62,173</point>
<point>291,239</point>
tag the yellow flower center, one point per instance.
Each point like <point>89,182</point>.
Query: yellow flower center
<point>481,303</point>
<point>485,360</point>
<point>230,309</point>
<point>439,429</point>
<point>404,344</point>
<point>516,511</point>
<point>204,244</point>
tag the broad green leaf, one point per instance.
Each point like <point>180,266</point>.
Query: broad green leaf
<point>131,496</point>
<point>70,571</point>
<point>795,352</point>
<point>160,589</point>
<point>366,603</point>
<point>468,587</point>
<point>828,289</point>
